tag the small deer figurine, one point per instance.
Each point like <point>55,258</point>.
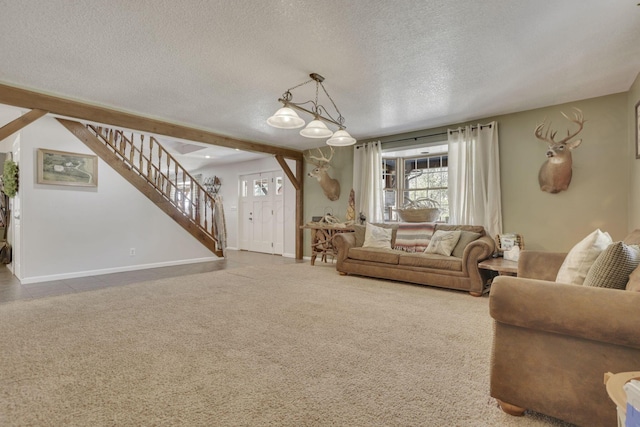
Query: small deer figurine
<point>555,173</point>
<point>330,186</point>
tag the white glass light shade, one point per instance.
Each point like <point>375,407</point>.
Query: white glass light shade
<point>341,138</point>
<point>285,118</point>
<point>316,129</point>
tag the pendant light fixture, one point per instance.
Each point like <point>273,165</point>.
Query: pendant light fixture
<point>287,118</point>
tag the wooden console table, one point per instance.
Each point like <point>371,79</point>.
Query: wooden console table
<point>322,239</point>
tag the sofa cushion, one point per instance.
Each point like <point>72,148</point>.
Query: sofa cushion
<point>385,256</point>
<point>466,237</point>
<point>613,266</point>
<point>377,237</point>
<point>440,262</point>
<point>579,260</point>
<point>359,231</point>
<point>414,236</point>
<point>443,242</point>
<point>458,227</point>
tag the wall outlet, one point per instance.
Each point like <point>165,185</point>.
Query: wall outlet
<point>132,251</point>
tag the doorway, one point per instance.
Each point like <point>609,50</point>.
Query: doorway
<point>261,216</point>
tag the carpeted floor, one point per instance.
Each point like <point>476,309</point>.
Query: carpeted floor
<point>282,345</point>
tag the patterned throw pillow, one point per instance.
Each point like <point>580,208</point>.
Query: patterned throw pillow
<point>377,237</point>
<point>414,236</point>
<point>580,258</point>
<point>613,266</point>
<point>443,242</point>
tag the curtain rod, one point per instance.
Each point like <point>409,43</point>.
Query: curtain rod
<point>461,129</point>
<point>415,138</point>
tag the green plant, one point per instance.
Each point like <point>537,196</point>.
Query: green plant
<point>10,177</point>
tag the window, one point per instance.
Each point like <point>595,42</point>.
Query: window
<point>412,178</point>
<point>260,187</point>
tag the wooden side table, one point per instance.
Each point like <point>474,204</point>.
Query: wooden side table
<point>504,267</point>
<point>322,239</point>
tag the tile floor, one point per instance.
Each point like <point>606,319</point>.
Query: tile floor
<point>11,289</point>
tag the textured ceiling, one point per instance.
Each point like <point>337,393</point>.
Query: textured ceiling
<point>390,66</point>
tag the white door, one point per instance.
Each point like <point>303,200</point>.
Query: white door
<point>261,201</point>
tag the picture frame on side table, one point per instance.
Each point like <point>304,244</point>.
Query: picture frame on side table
<point>638,130</point>
<point>64,168</point>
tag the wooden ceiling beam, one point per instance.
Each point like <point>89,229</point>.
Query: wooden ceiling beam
<point>23,98</point>
<point>22,121</point>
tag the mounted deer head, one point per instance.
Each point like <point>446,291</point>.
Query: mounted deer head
<point>330,186</point>
<point>555,173</point>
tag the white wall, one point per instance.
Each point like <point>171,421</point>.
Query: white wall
<point>230,175</point>
<point>77,231</point>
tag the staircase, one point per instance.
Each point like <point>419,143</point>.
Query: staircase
<point>143,162</point>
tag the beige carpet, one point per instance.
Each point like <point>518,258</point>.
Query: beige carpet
<point>283,345</point>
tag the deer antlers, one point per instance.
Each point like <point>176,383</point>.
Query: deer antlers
<point>548,136</point>
<point>322,159</point>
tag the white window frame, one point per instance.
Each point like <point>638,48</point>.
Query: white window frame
<point>398,192</point>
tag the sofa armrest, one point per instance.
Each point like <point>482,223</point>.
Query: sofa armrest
<point>479,250</point>
<point>598,314</point>
<point>540,265</point>
<point>475,252</point>
<point>343,242</point>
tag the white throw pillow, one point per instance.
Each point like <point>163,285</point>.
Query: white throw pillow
<point>377,237</point>
<point>442,242</point>
<point>580,258</point>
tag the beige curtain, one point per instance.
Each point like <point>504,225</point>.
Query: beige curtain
<point>474,177</point>
<point>367,181</point>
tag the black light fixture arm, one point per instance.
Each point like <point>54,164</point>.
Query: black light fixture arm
<point>317,110</point>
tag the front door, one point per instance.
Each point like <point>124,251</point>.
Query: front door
<point>261,207</point>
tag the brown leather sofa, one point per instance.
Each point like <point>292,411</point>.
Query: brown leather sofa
<point>554,342</point>
<point>452,272</point>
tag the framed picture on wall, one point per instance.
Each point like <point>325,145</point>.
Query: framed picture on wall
<point>638,130</point>
<point>63,168</point>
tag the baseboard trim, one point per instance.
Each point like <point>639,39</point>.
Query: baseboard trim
<point>76,274</point>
